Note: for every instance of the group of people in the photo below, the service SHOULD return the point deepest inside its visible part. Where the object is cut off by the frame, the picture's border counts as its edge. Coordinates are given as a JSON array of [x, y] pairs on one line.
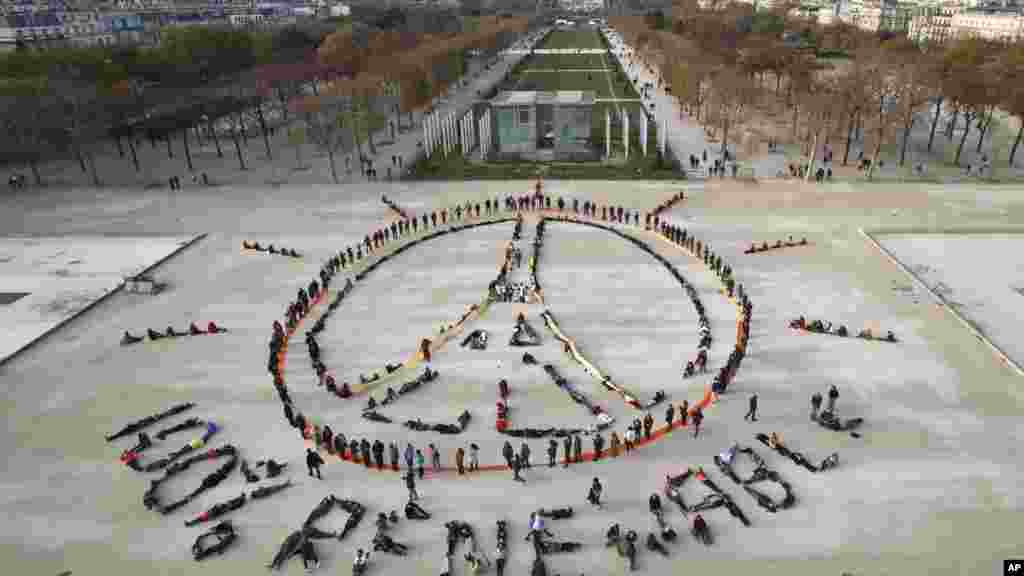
[[825, 327], [270, 249], [754, 248], [128, 338]]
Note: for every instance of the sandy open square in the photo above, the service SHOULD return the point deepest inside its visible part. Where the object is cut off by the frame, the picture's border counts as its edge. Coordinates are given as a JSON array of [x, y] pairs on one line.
[[932, 487]]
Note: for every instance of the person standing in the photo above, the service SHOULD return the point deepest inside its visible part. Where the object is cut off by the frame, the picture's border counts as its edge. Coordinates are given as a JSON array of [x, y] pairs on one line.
[[615, 445], [314, 462], [670, 415], [410, 483], [577, 444], [517, 466], [752, 411], [420, 462], [815, 405], [552, 452], [378, 453], [474, 458], [435, 457], [410, 454], [698, 417], [648, 425], [393, 448], [524, 454], [508, 453], [594, 495], [364, 445], [684, 412], [630, 436], [567, 444], [460, 455], [598, 446]]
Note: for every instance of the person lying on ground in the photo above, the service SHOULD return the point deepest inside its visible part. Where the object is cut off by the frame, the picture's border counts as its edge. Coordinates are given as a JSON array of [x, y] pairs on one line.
[[172, 333], [247, 473], [391, 396], [128, 339], [384, 543], [212, 328], [654, 545], [153, 334], [274, 469], [842, 331]]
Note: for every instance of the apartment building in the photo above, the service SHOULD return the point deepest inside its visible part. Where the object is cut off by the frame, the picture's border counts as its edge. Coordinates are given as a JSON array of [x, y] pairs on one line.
[[991, 23]]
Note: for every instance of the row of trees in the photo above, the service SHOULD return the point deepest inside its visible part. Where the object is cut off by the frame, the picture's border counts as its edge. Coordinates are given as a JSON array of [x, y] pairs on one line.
[[62, 103], [411, 68], [725, 65]]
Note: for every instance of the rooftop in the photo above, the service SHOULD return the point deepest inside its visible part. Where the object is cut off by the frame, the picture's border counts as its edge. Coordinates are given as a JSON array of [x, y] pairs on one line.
[[527, 97]]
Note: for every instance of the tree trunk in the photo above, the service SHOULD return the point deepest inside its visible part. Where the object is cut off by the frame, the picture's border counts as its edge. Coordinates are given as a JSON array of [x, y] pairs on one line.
[[907, 126], [952, 124], [120, 148], [298, 157], [135, 157], [935, 123], [984, 129], [796, 119], [34, 166], [849, 139], [263, 127], [81, 161], [92, 171], [284, 104], [216, 141], [238, 150], [188, 153], [1016, 143], [170, 153], [330, 159], [967, 129], [241, 126], [814, 153], [874, 157]]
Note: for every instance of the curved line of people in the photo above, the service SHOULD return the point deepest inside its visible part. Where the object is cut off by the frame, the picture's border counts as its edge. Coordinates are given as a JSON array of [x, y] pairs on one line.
[[270, 249], [825, 327], [127, 339], [299, 309], [764, 247], [666, 205], [151, 500]]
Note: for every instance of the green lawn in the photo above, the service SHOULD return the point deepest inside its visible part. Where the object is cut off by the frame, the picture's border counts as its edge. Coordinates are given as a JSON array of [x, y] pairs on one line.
[[559, 39], [549, 61], [604, 84]]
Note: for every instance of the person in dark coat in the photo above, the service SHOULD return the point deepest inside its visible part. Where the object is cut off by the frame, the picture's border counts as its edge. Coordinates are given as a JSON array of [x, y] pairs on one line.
[[353, 446], [460, 458], [364, 447], [815, 405], [378, 453], [393, 452], [508, 453], [517, 466], [684, 412], [648, 425], [698, 417], [670, 414], [410, 483], [752, 411], [552, 452], [577, 446], [598, 446], [524, 454], [313, 462]]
